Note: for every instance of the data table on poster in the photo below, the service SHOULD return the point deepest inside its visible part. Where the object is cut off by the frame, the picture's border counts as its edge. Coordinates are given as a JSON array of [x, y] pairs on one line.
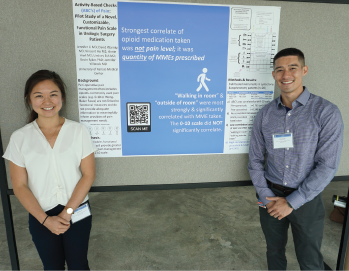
[[172, 79]]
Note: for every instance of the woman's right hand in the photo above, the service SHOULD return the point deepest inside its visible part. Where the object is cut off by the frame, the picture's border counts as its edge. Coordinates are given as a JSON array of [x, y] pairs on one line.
[[57, 225]]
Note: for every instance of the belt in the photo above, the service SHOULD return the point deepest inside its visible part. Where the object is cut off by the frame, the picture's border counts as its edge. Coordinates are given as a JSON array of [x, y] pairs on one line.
[[286, 190]]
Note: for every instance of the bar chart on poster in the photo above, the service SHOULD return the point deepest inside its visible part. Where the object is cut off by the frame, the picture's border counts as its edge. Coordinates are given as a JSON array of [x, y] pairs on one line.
[[172, 79]]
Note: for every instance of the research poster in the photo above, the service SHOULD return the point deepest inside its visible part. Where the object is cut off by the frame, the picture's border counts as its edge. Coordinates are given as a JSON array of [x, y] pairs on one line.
[[159, 78]]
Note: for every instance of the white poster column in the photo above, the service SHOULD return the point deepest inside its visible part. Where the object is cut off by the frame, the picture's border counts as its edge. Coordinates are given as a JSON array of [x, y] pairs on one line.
[[97, 66], [253, 33]]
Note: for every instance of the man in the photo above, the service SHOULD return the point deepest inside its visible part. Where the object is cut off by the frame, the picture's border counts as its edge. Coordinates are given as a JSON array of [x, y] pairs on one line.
[[295, 148]]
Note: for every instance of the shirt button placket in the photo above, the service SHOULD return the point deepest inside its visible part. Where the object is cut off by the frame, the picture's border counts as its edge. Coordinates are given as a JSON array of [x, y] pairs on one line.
[[287, 153], [58, 182], [287, 131]]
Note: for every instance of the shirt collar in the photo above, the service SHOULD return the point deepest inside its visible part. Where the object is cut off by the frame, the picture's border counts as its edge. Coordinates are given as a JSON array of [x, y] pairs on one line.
[[303, 98]]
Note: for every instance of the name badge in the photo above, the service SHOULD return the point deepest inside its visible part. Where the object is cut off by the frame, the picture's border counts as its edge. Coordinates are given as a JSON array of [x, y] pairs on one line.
[[80, 213], [282, 141]]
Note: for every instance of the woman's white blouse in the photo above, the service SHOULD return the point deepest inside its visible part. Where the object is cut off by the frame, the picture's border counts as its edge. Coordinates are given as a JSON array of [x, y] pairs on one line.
[[52, 172]]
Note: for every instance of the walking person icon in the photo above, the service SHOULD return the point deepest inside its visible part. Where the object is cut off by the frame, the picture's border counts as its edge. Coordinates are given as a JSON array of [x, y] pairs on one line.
[[201, 78]]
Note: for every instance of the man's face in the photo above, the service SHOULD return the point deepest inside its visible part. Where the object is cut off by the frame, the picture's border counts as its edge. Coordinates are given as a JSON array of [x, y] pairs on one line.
[[288, 74]]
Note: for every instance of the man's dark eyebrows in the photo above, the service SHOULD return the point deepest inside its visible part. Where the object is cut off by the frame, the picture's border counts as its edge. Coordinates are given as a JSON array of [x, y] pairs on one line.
[[291, 65]]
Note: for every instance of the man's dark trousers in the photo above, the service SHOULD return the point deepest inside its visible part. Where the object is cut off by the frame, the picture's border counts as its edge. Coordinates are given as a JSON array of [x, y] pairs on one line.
[[307, 224]]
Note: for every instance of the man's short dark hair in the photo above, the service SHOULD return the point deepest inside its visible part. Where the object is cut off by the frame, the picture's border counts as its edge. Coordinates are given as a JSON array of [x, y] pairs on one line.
[[290, 52]]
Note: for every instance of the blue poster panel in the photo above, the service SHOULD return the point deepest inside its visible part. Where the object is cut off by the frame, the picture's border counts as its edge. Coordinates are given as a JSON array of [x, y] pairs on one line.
[[173, 62]]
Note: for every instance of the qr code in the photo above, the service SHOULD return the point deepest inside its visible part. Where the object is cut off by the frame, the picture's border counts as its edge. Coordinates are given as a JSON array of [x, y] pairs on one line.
[[138, 114]]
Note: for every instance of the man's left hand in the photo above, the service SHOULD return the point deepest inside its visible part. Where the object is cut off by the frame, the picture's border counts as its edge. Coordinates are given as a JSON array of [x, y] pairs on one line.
[[280, 209]]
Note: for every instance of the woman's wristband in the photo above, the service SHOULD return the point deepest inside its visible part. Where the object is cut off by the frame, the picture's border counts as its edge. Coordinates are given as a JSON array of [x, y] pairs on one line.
[[44, 220]]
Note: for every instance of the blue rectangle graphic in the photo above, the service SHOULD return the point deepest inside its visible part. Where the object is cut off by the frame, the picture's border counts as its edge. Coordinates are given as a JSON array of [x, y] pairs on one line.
[[173, 57]]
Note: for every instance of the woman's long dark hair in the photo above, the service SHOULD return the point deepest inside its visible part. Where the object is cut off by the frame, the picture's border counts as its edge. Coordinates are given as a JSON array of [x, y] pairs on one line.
[[36, 78]]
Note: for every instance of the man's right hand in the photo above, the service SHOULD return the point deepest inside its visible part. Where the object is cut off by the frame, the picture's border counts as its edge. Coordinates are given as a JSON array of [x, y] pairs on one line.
[[270, 204], [57, 225]]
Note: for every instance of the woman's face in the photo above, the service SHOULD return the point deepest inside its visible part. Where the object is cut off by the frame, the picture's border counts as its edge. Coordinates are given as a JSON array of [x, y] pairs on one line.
[[46, 99]]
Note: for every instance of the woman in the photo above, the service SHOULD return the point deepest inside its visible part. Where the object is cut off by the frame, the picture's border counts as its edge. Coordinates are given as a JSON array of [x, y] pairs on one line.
[[52, 168]]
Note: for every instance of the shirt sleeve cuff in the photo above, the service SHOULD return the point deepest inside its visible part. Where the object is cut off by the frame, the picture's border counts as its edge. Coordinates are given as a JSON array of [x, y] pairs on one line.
[[295, 199], [265, 193]]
